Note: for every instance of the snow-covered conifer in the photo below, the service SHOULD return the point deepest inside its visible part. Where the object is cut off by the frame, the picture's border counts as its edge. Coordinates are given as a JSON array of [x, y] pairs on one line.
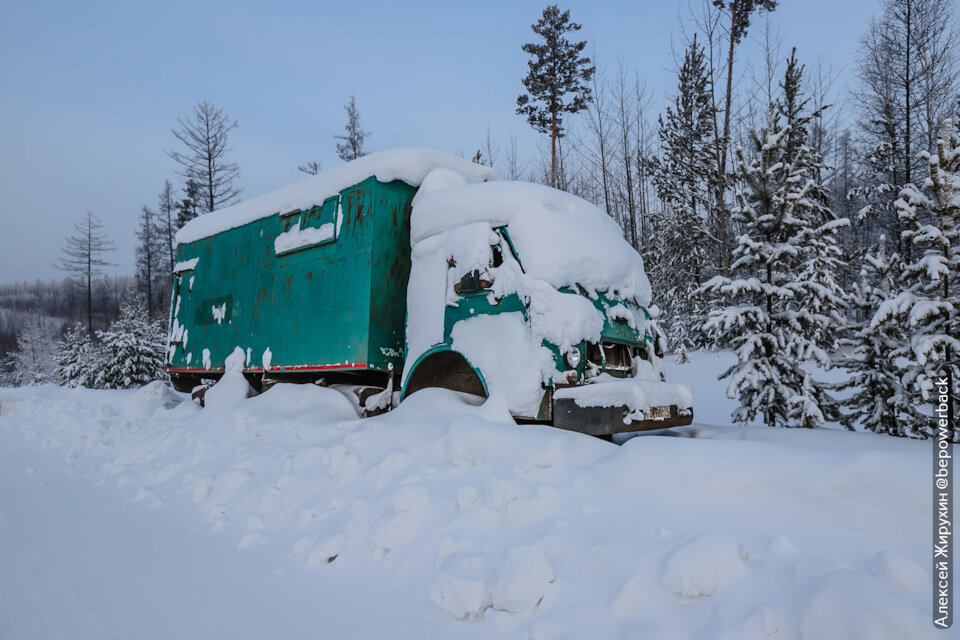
[[874, 376], [928, 307], [132, 349], [780, 312], [684, 180], [77, 359], [33, 361]]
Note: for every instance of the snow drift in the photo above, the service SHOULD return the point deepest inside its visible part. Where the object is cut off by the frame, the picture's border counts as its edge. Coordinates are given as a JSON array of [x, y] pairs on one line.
[[444, 519]]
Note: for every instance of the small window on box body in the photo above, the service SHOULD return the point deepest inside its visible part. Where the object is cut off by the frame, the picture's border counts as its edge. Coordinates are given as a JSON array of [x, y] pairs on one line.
[[305, 228]]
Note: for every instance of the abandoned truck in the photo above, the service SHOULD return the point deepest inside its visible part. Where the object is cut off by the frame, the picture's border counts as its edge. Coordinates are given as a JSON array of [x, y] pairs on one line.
[[409, 269]]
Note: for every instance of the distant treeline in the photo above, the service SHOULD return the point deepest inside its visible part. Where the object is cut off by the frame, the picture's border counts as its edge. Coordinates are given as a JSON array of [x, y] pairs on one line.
[[64, 301]]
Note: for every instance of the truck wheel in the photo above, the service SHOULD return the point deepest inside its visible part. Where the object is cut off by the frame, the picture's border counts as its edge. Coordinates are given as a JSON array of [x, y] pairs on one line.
[[446, 369]]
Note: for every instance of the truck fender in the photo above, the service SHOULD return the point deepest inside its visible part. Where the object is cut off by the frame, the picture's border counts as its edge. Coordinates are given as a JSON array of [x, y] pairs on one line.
[[442, 366]]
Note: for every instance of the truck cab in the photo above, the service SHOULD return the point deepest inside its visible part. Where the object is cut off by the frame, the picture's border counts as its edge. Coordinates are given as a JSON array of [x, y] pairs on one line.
[[542, 301]]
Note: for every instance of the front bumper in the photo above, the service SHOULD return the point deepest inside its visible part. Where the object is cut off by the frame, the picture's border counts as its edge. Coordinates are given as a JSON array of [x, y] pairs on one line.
[[601, 421], [622, 405]]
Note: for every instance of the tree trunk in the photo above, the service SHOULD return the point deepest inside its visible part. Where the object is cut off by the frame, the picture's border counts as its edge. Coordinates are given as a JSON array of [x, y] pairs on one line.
[[90, 276], [724, 148], [553, 149]]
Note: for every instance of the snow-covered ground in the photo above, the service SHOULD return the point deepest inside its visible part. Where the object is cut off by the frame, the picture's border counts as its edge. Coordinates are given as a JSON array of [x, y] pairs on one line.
[[140, 515]]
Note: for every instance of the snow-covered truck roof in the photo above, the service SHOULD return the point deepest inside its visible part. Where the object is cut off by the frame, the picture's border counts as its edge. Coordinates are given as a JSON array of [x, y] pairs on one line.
[[409, 165], [561, 239]]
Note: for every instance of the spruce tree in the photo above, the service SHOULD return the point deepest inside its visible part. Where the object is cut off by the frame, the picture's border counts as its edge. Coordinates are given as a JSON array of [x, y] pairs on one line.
[[818, 244], [33, 361], [928, 307], [781, 311], [188, 208], [77, 359], [557, 81], [764, 321], [132, 349], [683, 178], [874, 377]]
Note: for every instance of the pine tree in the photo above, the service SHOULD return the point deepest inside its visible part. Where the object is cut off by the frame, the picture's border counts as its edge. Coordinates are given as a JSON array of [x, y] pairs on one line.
[[33, 361], [874, 376], [77, 359], [683, 178], [557, 81], [353, 139], [188, 208], [132, 349], [83, 256], [928, 307], [205, 159]]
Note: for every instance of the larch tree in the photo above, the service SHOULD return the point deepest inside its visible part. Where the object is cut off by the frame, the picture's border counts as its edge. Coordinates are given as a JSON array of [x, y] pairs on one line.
[[928, 306], [353, 137], [684, 182], [557, 80], [150, 255], [204, 160], [908, 79], [166, 206], [83, 256]]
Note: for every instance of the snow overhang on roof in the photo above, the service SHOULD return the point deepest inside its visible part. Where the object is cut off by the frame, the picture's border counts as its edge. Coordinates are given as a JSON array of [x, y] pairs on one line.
[[560, 238], [409, 165]]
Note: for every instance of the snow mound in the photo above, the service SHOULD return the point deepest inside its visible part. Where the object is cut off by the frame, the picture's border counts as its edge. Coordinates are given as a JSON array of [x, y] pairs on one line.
[[853, 605], [901, 573], [232, 387], [703, 565], [423, 509], [460, 587], [522, 580], [409, 165]]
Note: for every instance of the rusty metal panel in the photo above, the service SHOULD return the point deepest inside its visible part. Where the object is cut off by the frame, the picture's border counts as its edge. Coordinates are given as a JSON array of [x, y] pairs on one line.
[[336, 305]]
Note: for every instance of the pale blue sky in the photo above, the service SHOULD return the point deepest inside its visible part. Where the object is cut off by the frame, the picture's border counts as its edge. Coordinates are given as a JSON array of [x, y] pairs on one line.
[[89, 90]]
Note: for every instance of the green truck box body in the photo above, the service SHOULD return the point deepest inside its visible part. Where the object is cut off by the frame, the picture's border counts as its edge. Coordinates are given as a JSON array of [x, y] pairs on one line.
[[334, 305]]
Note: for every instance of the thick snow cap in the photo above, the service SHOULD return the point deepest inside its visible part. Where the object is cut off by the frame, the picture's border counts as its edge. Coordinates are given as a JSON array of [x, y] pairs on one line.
[[560, 238], [408, 165]]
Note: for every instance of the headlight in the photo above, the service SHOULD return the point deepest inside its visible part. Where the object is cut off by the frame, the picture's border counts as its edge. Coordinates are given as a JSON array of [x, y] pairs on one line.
[[573, 358]]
